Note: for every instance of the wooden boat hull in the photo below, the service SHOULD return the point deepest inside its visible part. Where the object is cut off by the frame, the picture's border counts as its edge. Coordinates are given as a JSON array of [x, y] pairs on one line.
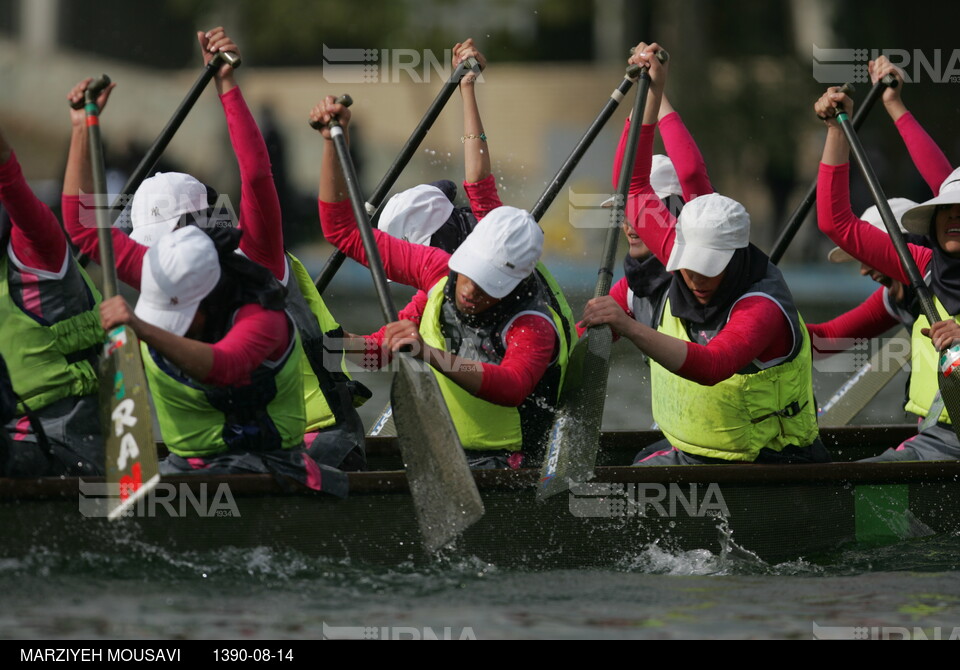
[[775, 512]]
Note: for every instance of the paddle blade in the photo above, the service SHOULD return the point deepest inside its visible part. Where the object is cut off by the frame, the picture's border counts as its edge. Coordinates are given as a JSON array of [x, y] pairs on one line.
[[574, 441], [127, 423], [442, 487]]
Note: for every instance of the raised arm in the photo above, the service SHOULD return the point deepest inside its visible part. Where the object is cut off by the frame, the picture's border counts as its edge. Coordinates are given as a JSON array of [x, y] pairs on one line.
[[834, 214], [479, 182], [927, 156], [649, 217], [79, 216], [260, 216], [412, 264], [684, 152], [476, 157], [36, 237]]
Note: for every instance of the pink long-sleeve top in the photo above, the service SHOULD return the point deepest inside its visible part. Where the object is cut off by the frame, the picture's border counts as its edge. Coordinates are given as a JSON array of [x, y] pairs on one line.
[[858, 238], [238, 354], [928, 158], [683, 152], [36, 237], [41, 279], [869, 319], [757, 329], [530, 342], [687, 161]]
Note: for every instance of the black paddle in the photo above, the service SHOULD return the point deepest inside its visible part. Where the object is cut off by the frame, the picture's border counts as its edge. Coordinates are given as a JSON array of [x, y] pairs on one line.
[[571, 452], [949, 383], [127, 424], [444, 492], [799, 215], [400, 162]]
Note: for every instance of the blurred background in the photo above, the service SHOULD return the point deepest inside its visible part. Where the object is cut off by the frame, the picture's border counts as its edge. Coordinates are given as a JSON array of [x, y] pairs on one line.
[[743, 77]]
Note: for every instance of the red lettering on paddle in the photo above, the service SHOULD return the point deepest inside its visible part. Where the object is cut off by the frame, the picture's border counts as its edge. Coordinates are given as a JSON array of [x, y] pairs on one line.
[[130, 483]]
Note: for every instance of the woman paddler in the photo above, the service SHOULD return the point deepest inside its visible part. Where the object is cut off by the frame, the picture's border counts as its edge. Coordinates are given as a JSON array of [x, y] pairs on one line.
[[222, 360], [50, 338], [937, 257], [427, 214], [676, 178], [168, 201], [486, 328], [731, 369]]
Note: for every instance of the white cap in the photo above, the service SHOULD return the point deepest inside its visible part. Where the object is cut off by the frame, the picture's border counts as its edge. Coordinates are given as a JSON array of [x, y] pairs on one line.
[[502, 251], [416, 214], [663, 177], [160, 202], [917, 220], [899, 206], [179, 271], [709, 230]]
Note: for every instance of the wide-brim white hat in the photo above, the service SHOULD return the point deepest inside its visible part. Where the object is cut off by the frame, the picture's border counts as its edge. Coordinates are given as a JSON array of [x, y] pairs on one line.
[[918, 219]]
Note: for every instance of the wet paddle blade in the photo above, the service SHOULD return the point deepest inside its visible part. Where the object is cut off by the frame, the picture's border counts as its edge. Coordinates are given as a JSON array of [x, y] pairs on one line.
[[443, 489], [575, 438], [131, 454], [867, 382]]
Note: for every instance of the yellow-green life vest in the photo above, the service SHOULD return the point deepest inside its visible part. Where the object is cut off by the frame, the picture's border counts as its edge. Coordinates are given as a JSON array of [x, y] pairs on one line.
[[199, 420], [483, 425], [558, 303], [924, 364], [733, 420], [320, 332], [41, 357]]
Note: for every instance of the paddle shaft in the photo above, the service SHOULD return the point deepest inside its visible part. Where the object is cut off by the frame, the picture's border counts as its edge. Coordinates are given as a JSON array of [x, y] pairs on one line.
[[553, 188], [618, 215], [445, 495], [400, 162], [799, 215], [374, 261], [574, 438], [104, 222], [129, 450]]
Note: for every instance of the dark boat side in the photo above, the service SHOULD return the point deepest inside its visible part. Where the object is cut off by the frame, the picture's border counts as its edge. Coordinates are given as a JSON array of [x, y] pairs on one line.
[[775, 512]]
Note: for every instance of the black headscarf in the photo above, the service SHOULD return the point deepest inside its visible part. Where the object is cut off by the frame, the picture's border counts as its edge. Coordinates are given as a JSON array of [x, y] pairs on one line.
[[646, 277], [499, 312], [746, 267], [241, 282], [945, 272]]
